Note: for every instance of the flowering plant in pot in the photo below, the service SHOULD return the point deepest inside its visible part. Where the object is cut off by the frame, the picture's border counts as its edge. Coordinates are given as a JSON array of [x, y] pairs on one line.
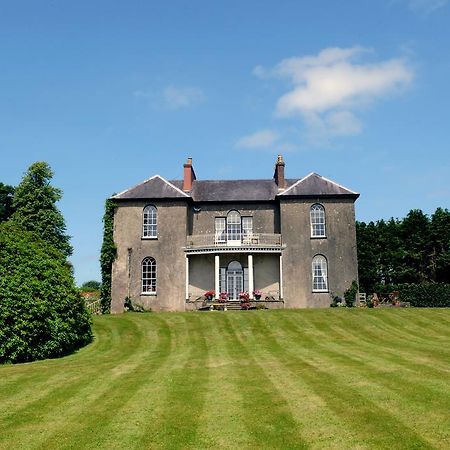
[[257, 294], [244, 297], [245, 304], [223, 297], [209, 295]]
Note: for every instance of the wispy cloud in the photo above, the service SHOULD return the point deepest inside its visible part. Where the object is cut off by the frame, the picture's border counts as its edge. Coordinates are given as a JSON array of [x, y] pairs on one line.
[[259, 139], [173, 97], [328, 88], [426, 7], [182, 97]]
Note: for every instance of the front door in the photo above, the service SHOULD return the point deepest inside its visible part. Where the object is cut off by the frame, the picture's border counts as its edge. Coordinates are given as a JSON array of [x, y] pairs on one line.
[[235, 280]]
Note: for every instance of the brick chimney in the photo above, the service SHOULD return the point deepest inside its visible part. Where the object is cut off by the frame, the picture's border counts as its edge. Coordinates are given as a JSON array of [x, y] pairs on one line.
[[189, 176], [279, 173]]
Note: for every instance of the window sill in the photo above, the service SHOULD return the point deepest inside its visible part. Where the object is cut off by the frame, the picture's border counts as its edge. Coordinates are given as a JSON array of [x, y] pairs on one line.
[[145, 238], [318, 237], [320, 292], [148, 294]]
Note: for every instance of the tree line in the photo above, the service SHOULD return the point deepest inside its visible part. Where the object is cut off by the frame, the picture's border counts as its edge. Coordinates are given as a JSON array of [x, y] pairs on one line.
[[415, 249]]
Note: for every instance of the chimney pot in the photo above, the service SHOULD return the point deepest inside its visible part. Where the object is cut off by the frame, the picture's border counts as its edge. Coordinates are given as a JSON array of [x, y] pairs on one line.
[[189, 175], [279, 173]]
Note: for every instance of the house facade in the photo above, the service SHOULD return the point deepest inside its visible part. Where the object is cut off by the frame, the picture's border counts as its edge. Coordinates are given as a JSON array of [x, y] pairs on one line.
[[292, 239]]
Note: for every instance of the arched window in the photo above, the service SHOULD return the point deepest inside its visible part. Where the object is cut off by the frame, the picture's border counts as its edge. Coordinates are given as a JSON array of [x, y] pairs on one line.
[[317, 215], [148, 275], [234, 228], [150, 222], [320, 274]]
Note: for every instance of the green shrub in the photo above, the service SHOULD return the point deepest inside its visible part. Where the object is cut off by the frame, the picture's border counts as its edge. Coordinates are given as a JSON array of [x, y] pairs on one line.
[[420, 295], [42, 315], [350, 295]]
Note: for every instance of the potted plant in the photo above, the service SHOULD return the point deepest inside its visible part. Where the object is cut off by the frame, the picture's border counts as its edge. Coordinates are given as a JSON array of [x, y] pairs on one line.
[[209, 295], [223, 297], [244, 297], [257, 294], [245, 304]]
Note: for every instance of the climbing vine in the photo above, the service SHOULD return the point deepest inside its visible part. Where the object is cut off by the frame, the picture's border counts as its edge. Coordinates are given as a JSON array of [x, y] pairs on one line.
[[107, 255]]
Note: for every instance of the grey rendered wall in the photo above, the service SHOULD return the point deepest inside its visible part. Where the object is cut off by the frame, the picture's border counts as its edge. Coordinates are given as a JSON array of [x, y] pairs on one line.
[[166, 249], [265, 217], [339, 247]]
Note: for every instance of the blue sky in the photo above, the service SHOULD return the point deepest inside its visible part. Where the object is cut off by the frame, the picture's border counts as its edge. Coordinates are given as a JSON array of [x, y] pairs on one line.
[[113, 92]]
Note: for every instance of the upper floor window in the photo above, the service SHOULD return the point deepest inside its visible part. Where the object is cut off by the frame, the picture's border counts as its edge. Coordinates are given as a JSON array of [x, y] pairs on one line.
[[148, 275], [220, 229], [317, 215], [233, 227], [320, 274], [150, 222]]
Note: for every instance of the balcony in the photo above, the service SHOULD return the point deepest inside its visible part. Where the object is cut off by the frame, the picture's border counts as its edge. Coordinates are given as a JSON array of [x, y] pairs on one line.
[[234, 243]]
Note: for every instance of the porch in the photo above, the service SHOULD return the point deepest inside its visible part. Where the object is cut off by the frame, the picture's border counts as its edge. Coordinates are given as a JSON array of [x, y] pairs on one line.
[[226, 275]]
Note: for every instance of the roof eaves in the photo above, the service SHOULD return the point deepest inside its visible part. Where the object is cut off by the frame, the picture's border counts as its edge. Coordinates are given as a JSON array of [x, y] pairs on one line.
[[117, 196], [173, 186], [339, 185]]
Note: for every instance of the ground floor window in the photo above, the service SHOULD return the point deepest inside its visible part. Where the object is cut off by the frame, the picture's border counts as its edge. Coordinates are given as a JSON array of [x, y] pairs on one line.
[[149, 275], [320, 273]]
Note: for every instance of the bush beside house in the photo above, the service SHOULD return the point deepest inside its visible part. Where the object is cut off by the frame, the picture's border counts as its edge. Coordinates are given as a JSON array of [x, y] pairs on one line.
[[42, 314]]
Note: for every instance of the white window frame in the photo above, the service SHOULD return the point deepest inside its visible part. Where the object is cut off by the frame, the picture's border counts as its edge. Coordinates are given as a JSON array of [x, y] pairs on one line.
[[220, 227], [247, 226], [319, 274], [318, 221], [234, 226], [148, 276], [150, 222]]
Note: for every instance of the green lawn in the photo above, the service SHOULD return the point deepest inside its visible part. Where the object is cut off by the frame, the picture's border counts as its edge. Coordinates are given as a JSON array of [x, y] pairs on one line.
[[332, 378]]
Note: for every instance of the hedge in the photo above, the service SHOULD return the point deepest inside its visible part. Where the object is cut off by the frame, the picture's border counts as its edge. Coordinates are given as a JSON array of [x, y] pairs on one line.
[[421, 295]]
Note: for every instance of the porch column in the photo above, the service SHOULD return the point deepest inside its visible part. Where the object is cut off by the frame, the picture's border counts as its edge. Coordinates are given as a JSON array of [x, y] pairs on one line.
[[251, 284], [281, 276], [216, 275], [187, 277]]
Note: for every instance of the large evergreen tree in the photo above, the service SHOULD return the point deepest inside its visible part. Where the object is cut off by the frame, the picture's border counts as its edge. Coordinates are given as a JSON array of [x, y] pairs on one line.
[[35, 207], [6, 200], [440, 252], [42, 315]]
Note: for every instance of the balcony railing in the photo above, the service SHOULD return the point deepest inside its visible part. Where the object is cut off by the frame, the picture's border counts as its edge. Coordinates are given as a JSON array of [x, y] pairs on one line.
[[224, 240]]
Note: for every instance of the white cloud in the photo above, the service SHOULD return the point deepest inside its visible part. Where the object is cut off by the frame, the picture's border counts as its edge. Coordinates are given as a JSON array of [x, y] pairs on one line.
[[259, 139], [172, 97], [177, 98], [425, 7], [327, 88]]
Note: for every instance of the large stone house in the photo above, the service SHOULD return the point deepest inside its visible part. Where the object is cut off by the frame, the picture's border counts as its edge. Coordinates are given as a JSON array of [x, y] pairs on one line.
[[292, 239]]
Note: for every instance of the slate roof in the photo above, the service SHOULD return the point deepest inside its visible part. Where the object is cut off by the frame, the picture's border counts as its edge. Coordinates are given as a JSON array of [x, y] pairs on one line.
[[155, 187], [313, 185], [235, 190]]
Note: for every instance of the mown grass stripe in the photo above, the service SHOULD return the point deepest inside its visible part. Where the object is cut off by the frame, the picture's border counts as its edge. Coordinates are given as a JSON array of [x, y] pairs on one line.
[[377, 426], [28, 404], [270, 423], [103, 406], [257, 379], [177, 424]]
